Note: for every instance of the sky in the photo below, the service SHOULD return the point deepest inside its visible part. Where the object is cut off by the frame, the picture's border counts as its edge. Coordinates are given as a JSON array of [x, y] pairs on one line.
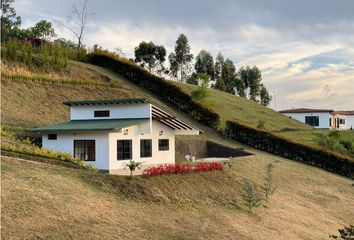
[[304, 48]]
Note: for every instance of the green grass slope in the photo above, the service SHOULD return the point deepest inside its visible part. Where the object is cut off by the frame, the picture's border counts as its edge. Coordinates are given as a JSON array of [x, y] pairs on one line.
[[42, 201]]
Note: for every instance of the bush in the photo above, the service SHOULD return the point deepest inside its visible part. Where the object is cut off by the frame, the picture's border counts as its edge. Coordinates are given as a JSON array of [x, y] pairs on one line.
[[275, 144], [250, 195], [47, 153], [163, 89], [182, 168]]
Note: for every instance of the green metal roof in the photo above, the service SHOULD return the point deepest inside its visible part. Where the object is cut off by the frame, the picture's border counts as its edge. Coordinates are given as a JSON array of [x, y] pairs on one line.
[[92, 125], [107, 102]]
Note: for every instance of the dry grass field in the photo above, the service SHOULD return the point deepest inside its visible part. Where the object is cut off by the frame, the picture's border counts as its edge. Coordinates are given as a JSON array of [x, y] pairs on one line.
[[41, 201]]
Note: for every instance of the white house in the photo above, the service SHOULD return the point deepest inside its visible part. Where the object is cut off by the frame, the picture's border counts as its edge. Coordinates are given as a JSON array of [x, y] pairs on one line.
[[343, 120], [109, 133], [318, 118]]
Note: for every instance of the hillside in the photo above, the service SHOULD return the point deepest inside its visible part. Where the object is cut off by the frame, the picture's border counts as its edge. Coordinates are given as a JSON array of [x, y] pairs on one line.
[[37, 198]]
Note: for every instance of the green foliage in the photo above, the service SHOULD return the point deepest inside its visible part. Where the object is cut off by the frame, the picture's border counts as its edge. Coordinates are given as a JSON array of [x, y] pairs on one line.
[[132, 165], [261, 124], [47, 153], [268, 187], [49, 79], [204, 63], [47, 55], [150, 55], [9, 21], [202, 91], [7, 133], [334, 134], [347, 233], [220, 84], [333, 143], [181, 58], [228, 74], [250, 195], [272, 143], [43, 30], [265, 98]]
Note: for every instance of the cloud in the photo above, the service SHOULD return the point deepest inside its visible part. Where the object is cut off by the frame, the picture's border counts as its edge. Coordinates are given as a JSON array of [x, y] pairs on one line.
[[304, 48]]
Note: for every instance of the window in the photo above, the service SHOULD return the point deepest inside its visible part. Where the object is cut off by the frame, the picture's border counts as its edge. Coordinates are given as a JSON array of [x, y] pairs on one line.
[[330, 122], [85, 150], [145, 148], [312, 120], [52, 137], [163, 145], [124, 149], [104, 113], [342, 121]]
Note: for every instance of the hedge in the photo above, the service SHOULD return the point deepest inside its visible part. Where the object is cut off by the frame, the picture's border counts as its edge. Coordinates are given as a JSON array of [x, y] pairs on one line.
[[162, 88], [280, 146]]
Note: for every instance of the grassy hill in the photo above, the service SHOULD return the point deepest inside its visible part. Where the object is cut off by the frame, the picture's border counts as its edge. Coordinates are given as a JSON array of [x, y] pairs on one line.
[[48, 201], [52, 202]]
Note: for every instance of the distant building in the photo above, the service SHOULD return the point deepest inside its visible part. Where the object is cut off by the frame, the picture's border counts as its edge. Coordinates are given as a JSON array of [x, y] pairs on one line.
[[322, 118], [343, 120], [109, 133]]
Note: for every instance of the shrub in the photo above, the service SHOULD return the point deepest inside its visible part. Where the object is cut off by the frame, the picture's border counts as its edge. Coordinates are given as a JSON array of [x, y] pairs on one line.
[[250, 195], [261, 124], [163, 89], [182, 168], [268, 188], [278, 145], [132, 165], [48, 153]]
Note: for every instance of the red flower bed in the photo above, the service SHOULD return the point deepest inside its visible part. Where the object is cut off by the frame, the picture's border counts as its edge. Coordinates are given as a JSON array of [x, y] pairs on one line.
[[182, 168]]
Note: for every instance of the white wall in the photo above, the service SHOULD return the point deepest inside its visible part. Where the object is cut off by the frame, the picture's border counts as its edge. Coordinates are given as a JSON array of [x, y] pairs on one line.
[[158, 157], [141, 110], [323, 118], [349, 122], [65, 143]]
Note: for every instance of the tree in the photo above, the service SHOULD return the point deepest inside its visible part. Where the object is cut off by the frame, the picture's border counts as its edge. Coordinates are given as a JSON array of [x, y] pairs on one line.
[[43, 29], [268, 187], [181, 58], [204, 63], [202, 91], [265, 98], [9, 21], [132, 165], [240, 87], [250, 195], [150, 55], [79, 18], [219, 62], [228, 75]]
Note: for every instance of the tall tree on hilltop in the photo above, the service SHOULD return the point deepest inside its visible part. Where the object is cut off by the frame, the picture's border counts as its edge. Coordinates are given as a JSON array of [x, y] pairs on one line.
[[43, 29], [219, 62], [228, 75], [9, 21], [204, 63], [265, 97], [150, 55], [181, 58]]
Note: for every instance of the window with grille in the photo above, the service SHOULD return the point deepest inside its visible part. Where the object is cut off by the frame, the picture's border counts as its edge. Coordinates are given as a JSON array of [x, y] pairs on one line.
[[312, 120], [163, 145], [124, 149], [85, 150], [101, 113], [145, 148]]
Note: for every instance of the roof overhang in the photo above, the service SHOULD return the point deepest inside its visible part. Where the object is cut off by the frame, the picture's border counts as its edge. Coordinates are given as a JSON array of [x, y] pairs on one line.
[[106, 102], [111, 125]]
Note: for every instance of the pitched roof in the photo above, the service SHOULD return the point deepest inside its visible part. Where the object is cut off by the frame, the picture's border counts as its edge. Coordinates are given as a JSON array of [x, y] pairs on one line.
[[106, 102], [92, 125], [343, 112], [305, 110]]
